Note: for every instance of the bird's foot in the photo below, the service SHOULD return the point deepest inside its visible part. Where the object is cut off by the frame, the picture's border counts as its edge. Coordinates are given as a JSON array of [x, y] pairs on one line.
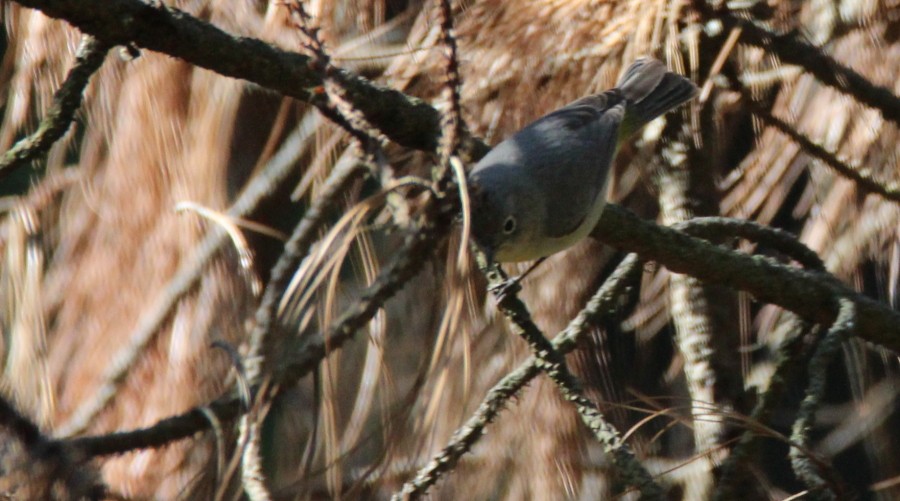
[[503, 289]]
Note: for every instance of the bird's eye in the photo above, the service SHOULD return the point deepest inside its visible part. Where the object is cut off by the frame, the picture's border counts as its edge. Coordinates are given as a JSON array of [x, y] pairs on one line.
[[509, 225]]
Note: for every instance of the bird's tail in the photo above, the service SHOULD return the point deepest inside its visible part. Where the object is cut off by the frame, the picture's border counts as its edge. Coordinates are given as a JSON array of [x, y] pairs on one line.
[[650, 90]]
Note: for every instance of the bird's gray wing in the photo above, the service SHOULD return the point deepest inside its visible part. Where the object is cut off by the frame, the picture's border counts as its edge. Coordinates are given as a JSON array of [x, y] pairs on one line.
[[572, 150]]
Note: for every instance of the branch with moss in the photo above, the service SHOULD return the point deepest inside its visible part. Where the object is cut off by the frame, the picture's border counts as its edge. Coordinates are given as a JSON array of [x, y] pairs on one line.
[[59, 117]]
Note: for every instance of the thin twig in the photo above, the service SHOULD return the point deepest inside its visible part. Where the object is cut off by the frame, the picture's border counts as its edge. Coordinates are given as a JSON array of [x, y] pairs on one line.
[[843, 327], [185, 280], [451, 120], [790, 48], [862, 176], [296, 248], [336, 87], [159, 434], [408, 121], [814, 295], [417, 248], [465, 437], [553, 363], [264, 341], [262, 344], [415, 251], [249, 447], [452, 130], [735, 478], [59, 117]]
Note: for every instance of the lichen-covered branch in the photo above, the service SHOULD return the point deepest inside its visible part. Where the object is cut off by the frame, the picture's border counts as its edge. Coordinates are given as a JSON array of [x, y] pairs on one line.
[[553, 363], [66, 101], [406, 120], [792, 49], [862, 176], [811, 294], [708, 349], [465, 437], [804, 466]]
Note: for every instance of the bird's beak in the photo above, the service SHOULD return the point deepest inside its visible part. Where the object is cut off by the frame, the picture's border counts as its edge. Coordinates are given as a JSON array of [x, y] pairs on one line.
[[489, 253]]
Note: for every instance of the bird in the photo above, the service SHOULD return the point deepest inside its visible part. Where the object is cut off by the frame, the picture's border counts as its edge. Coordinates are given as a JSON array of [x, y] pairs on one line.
[[543, 189]]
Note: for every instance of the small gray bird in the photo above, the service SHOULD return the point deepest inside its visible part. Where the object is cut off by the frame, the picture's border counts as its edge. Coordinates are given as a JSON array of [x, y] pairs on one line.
[[543, 189]]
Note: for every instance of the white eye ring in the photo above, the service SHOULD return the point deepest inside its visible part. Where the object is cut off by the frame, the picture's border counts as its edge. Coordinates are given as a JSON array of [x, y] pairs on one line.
[[509, 225]]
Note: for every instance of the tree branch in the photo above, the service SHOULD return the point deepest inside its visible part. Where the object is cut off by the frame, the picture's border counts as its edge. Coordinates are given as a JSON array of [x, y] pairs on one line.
[[863, 176], [553, 363], [413, 123], [790, 48], [407, 121], [161, 433], [804, 467], [66, 102], [466, 436], [736, 473], [813, 295]]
